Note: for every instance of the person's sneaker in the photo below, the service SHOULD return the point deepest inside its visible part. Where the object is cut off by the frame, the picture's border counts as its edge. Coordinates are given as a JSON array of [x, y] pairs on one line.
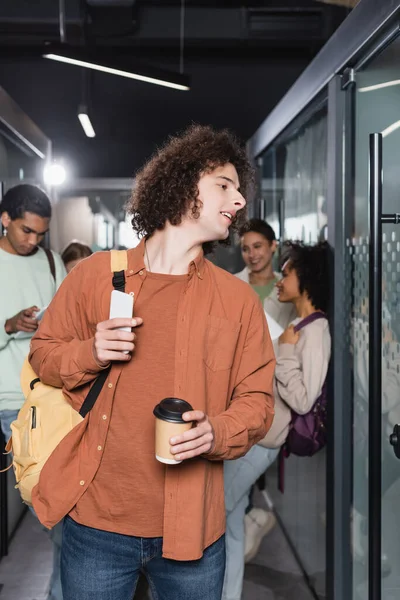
[[257, 523], [360, 544]]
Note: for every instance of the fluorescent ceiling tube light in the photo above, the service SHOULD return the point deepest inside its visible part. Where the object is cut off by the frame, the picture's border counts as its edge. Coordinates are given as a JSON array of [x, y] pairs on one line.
[[87, 126], [81, 57], [379, 86], [390, 129]]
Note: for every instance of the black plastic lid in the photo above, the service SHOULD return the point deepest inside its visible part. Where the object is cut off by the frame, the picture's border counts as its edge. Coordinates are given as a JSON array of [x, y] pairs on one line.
[[172, 409]]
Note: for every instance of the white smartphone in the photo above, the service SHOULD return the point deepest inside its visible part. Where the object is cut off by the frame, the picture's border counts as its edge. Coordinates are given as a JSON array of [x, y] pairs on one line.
[[39, 315], [121, 305], [25, 334]]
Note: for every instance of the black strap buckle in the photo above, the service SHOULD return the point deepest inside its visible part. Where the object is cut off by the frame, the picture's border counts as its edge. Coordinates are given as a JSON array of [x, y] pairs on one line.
[[118, 281]]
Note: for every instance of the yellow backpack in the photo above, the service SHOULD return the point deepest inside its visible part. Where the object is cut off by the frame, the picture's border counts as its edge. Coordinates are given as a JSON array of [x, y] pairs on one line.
[[46, 417]]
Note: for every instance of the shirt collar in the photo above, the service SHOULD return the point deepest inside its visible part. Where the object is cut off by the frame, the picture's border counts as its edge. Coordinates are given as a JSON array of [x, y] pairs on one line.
[[136, 261], [197, 265]]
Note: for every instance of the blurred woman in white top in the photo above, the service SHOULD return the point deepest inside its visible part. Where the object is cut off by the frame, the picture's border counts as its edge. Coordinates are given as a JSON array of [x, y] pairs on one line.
[[258, 244]]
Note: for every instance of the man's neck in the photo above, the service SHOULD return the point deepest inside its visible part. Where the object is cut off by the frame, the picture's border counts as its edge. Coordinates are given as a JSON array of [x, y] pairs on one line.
[[171, 251], [6, 246]]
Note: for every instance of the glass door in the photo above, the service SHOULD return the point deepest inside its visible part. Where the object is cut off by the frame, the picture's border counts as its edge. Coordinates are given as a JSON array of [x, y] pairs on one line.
[[375, 255]]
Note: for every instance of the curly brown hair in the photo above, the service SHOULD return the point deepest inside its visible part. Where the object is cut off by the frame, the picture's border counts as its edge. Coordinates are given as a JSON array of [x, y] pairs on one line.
[[166, 188]]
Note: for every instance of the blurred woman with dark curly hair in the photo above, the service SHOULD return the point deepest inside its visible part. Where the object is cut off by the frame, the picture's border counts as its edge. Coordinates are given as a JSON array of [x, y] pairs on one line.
[[302, 356], [302, 359], [200, 336]]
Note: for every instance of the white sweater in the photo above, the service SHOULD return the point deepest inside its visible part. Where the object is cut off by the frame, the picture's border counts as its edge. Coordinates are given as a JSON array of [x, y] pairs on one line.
[[282, 312], [300, 373], [25, 281]]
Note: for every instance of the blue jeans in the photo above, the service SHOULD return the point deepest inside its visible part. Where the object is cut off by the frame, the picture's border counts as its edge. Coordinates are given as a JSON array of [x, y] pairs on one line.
[[6, 418], [239, 476], [55, 534], [100, 565]]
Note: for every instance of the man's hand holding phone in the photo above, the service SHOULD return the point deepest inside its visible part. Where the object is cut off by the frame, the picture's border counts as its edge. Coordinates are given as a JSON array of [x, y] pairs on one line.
[[25, 321], [110, 343]]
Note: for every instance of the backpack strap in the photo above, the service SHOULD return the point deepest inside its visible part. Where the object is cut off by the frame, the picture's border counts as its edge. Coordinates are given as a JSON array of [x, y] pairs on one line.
[[52, 264], [310, 319], [119, 264], [94, 392]]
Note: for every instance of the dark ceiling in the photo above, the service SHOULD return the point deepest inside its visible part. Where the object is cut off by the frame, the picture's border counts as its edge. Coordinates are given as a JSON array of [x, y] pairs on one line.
[[241, 57]]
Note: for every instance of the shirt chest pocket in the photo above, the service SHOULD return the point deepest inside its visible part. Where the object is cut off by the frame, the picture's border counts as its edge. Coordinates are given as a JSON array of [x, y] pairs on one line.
[[220, 343]]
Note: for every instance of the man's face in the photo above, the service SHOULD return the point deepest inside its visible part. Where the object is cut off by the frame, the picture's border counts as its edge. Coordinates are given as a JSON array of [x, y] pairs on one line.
[[24, 234], [220, 201]]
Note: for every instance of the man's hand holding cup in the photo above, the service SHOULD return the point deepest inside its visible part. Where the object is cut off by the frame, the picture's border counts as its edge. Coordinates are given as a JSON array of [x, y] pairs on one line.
[[195, 442]]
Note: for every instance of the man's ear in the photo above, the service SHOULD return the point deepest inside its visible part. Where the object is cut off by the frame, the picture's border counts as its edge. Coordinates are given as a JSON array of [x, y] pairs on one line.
[[274, 245], [193, 208], [5, 219]]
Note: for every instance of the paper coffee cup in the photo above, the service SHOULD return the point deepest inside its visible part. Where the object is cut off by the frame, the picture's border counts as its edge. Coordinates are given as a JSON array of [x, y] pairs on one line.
[[169, 423]]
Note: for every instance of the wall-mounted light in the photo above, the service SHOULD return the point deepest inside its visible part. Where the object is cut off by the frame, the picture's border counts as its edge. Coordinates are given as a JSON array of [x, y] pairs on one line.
[[82, 57], [83, 116], [54, 174]]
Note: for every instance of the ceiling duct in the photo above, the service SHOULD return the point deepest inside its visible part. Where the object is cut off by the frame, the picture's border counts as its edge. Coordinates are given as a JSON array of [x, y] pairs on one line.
[[345, 3], [111, 3], [111, 18], [283, 23]]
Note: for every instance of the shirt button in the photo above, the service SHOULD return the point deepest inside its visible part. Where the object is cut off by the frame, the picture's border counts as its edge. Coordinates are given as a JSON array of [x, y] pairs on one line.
[[99, 448], [141, 272], [104, 417], [131, 272], [110, 385], [82, 482]]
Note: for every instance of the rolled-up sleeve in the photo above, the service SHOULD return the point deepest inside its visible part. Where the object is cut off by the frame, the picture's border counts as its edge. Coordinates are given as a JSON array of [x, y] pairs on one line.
[[60, 353], [250, 413]]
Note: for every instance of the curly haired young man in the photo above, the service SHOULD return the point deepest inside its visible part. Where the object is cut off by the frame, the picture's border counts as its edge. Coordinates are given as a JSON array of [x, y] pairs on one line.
[[198, 334]]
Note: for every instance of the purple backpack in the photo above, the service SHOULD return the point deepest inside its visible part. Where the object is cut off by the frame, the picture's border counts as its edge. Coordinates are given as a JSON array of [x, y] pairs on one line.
[[307, 433]]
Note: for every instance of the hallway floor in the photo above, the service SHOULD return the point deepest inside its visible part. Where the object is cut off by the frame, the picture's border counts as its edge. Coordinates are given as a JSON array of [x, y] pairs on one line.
[[25, 572], [274, 573]]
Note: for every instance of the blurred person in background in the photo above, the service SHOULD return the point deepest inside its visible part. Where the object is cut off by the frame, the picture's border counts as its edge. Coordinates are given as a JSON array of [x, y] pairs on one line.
[[362, 398], [74, 253], [30, 277], [259, 245], [302, 360]]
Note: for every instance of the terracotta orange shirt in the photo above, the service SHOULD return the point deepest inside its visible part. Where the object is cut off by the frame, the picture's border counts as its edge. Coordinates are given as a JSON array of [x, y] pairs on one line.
[[114, 501], [223, 365]]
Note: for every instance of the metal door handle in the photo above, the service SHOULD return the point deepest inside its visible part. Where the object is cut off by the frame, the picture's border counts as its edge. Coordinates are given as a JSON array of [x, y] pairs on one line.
[[375, 365], [394, 439]]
